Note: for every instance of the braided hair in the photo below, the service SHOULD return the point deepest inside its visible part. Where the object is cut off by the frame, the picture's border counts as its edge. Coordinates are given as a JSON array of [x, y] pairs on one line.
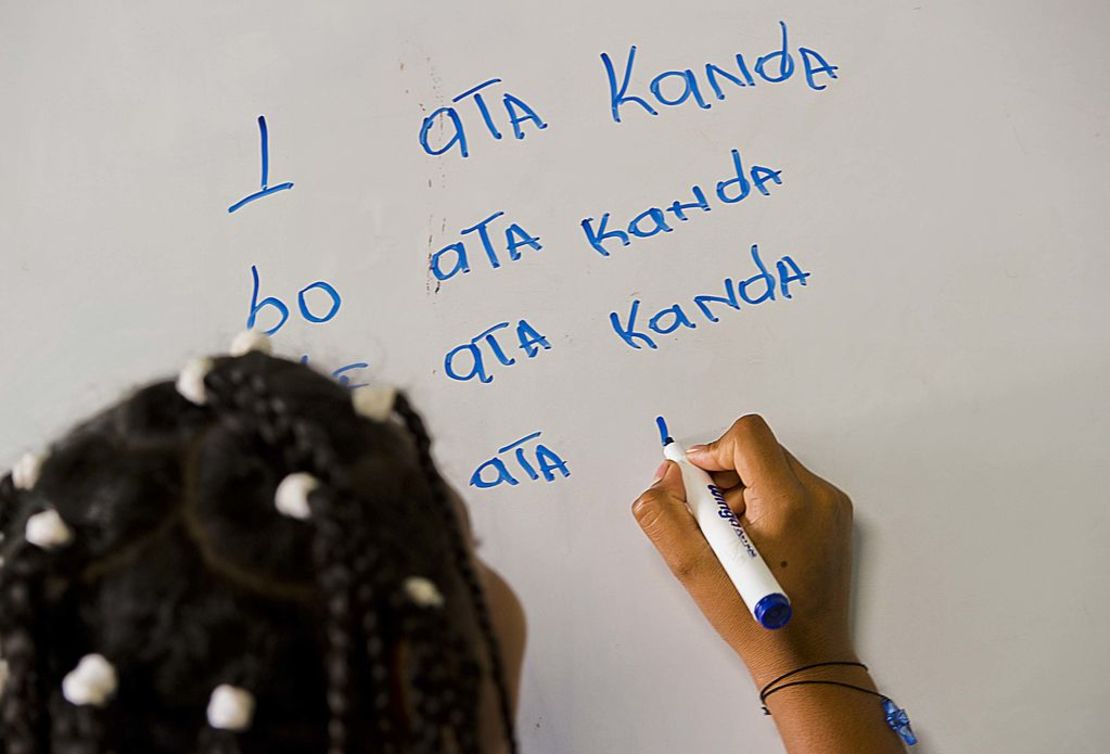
[[183, 575]]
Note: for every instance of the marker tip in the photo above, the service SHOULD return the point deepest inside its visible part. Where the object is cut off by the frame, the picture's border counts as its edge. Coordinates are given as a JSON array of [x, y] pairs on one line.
[[664, 435]]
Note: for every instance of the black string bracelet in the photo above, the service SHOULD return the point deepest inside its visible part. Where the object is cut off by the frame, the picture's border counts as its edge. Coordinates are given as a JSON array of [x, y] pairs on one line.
[[768, 690], [763, 698], [896, 717]]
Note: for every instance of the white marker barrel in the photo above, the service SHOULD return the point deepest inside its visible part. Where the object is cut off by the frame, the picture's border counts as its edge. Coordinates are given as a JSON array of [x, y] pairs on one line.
[[757, 586]]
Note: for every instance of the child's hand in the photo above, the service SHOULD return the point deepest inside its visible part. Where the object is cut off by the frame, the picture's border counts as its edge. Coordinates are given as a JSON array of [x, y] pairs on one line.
[[802, 526]]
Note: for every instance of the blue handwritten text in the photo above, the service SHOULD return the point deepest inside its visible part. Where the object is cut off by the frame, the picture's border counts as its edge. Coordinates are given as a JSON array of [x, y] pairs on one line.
[[451, 133], [266, 189], [468, 361], [676, 87], [655, 220], [760, 287], [312, 314], [340, 374], [454, 258], [544, 457]]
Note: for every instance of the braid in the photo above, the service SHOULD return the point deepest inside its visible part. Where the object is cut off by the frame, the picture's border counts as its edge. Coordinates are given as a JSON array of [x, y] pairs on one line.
[[8, 502], [416, 428], [20, 596], [185, 577], [428, 677], [440, 706], [335, 587], [339, 529], [339, 567], [368, 570], [303, 445], [75, 729], [212, 741]]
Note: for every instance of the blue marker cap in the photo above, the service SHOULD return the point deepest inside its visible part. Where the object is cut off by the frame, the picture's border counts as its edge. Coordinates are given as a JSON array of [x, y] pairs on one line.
[[773, 611]]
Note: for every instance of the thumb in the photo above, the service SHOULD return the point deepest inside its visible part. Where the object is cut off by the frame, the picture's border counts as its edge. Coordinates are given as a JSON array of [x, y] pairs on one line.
[[750, 449], [663, 516]]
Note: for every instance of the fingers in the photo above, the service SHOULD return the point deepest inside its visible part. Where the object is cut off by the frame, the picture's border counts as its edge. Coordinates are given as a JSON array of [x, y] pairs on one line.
[[726, 480], [735, 500], [749, 448], [662, 514]]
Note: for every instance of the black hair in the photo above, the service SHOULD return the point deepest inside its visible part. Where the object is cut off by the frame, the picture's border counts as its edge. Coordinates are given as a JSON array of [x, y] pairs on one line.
[[184, 576]]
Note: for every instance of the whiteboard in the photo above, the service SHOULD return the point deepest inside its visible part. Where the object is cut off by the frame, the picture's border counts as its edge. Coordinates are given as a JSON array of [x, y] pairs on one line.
[[945, 362]]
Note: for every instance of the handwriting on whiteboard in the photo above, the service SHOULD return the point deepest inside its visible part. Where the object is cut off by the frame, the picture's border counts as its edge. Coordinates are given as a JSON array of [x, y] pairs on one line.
[[499, 469], [322, 307], [487, 112], [445, 130], [653, 220], [634, 330], [476, 357], [775, 67], [266, 189], [458, 258], [454, 258]]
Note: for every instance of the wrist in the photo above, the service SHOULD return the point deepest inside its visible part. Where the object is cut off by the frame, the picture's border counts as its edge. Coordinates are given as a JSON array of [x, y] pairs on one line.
[[799, 686], [768, 657]]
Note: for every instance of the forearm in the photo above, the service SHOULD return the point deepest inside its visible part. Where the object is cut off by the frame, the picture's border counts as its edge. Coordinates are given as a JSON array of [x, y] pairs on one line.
[[829, 719]]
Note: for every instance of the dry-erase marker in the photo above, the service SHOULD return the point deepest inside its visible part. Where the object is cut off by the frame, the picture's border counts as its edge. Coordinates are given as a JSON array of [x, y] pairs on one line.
[[753, 579]]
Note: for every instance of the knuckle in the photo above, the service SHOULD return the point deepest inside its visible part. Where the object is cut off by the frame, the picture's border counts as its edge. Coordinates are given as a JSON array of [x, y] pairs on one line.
[[826, 496], [830, 495], [646, 510], [779, 504], [838, 504], [686, 568], [839, 497], [788, 494], [748, 425]]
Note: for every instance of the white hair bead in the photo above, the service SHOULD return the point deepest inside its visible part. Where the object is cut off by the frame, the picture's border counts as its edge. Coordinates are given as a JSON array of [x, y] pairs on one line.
[[25, 473], [423, 592], [93, 682], [230, 708], [190, 382], [375, 402], [291, 497], [250, 340], [3, 674], [47, 530]]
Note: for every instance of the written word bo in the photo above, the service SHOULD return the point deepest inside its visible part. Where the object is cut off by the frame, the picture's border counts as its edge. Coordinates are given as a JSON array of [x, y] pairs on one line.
[[326, 304]]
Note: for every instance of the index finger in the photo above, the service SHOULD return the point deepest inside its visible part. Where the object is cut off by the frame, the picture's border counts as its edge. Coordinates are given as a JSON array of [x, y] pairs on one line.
[[749, 448], [665, 518]]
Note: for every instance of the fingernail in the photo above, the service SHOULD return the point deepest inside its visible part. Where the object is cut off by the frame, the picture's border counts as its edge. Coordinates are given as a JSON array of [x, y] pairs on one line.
[[696, 448], [659, 472]]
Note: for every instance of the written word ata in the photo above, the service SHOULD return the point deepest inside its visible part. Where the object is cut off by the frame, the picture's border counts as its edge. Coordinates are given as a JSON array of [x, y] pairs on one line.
[[450, 131], [468, 361], [496, 470], [454, 258]]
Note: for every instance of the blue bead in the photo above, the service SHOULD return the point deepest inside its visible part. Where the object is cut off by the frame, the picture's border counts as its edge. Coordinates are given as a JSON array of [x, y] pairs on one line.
[[899, 721]]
